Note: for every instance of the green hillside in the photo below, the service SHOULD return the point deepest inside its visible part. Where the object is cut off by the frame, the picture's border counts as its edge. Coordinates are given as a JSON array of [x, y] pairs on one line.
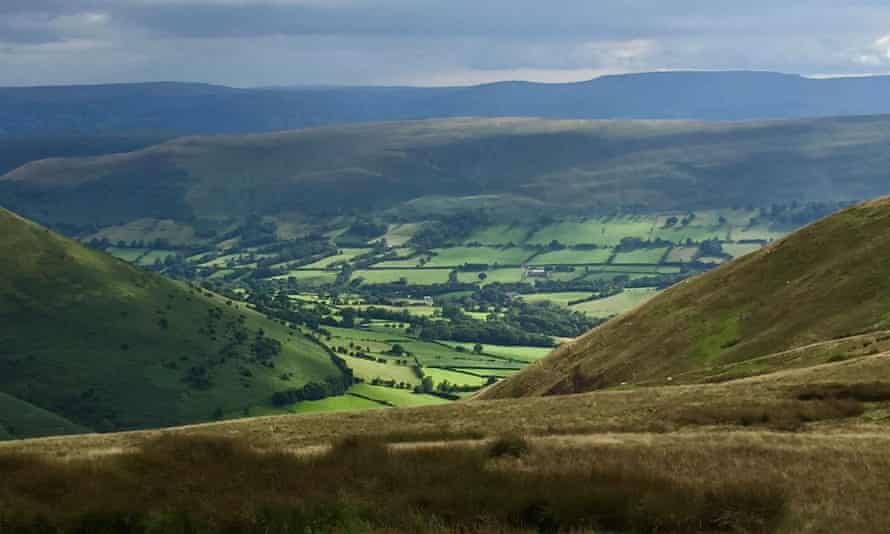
[[448, 164], [18, 419], [107, 346], [813, 290]]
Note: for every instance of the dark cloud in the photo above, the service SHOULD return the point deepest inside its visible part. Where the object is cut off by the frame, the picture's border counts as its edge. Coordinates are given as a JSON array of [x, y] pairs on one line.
[[250, 42]]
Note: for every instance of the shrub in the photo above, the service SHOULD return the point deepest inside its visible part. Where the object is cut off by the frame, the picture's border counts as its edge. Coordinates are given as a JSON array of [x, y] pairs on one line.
[[511, 445]]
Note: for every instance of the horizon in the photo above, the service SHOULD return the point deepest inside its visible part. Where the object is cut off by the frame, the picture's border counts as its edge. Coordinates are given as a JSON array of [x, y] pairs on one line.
[[275, 43], [814, 77]]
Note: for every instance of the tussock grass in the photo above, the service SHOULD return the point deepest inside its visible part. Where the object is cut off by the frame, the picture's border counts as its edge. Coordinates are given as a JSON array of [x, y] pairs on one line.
[[202, 484], [791, 415]]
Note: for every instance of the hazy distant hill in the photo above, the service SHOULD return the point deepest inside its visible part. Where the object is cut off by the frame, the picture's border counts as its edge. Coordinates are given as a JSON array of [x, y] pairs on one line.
[[814, 290], [558, 165], [197, 108]]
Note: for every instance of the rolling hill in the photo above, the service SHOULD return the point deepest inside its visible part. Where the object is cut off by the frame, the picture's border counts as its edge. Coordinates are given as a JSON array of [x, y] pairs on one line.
[[190, 108], [90, 342], [818, 296], [557, 165]]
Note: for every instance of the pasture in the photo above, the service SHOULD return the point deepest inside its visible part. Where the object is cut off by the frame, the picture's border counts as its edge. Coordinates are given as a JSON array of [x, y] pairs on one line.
[[616, 304]]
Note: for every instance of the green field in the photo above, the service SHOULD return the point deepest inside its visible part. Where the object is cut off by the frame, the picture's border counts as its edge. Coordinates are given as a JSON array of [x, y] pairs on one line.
[[314, 278], [604, 232], [681, 254], [335, 404], [572, 256], [646, 255], [457, 256], [399, 234], [343, 255], [499, 234], [739, 249], [493, 275], [396, 397], [368, 370], [127, 254], [562, 299], [411, 276], [616, 304], [453, 377]]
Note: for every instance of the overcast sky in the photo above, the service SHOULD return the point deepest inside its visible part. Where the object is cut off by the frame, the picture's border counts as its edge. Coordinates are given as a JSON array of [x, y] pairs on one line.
[[430, 42]]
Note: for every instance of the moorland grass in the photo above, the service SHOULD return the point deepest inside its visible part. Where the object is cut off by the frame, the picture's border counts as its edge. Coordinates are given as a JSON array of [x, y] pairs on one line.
[[214, 485]]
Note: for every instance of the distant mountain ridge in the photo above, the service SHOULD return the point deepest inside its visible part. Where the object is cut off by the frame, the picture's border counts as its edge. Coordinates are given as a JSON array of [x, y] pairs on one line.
[[560, 166], [192, 108]]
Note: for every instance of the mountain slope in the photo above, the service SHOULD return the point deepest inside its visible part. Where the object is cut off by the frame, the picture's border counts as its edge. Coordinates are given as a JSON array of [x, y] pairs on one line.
[[825, 282], [107, 346], [185, 108], [558, 165]]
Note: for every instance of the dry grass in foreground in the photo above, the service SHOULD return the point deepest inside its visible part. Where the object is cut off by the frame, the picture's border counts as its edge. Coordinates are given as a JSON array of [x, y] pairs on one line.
[[217, 485]]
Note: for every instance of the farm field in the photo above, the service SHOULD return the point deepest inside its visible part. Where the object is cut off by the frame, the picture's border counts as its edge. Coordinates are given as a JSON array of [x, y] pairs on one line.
[[453, 377], [344, 255], [335, 404], [399, 234], [642, 256], [617, 304], [558, 298], [573, 256], [396, 397], [740, 249], [457, 256], [504, 276], [411, 276], [604, 232], [682, 254], [500, 234]]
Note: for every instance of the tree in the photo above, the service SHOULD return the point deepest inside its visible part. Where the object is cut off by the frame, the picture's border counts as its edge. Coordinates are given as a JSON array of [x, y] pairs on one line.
[[427, 385], [482, 277], [397, 350], [478, 348], [452, 277]]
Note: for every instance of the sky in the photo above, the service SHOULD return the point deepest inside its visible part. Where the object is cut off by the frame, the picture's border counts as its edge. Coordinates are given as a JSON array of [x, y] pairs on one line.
[[248, 43]]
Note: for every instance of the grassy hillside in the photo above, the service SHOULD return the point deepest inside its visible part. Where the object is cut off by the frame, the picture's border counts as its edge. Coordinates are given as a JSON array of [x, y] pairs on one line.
[[824, 283], [21, 420], [108, 346], [493, 164], [796, 452]]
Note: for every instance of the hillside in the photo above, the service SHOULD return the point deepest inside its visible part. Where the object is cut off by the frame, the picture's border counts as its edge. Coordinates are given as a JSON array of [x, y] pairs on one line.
[[813, 290], [186, 108], [89, 341], [560, 166]]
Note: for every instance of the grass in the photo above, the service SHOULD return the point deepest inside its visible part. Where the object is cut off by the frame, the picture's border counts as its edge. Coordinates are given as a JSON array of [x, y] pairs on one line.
[[500, 234], [453, 377], [107, 346], [505, 276], [605, 232], [368, 370], [648, 255], [361, 485], [562, 299], [822, 283], [343, 255], [739, 249], [573, 256], [457, 256], [616, 304], [682, 254], [527, 354], [396, 397], [399, 234], [335, 404], [411, 276]]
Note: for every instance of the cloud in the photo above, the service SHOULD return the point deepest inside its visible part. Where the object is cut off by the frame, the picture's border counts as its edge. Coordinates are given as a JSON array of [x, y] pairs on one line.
[[284, 42]]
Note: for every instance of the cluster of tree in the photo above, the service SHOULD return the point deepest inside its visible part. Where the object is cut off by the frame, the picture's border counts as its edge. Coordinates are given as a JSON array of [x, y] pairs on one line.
[[629, 244], [448, 229], [330, 387], [360, 232], [796, 214]]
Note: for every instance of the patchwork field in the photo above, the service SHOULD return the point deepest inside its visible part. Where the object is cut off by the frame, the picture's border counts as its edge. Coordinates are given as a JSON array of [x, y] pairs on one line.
[[614, 305]]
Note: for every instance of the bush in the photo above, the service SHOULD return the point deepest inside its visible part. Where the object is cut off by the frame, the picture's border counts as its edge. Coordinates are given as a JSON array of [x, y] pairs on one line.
[[511, 445]]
